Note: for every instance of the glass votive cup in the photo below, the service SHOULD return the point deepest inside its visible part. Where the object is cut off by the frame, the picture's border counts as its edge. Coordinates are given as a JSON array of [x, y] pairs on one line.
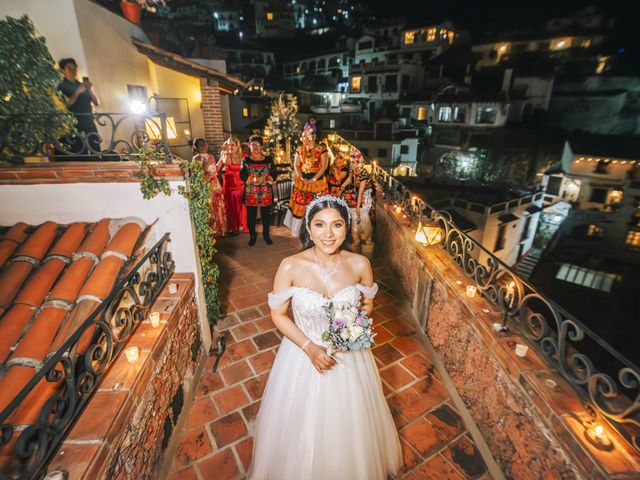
[[154, 317], [132, 353]]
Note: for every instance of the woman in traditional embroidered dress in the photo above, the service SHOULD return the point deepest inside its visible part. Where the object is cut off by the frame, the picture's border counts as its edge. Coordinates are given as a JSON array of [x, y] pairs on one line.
[[340, 180], [233, 186], [309, 165], [322, 417], [258, 173], [211, 169], [364, 212]]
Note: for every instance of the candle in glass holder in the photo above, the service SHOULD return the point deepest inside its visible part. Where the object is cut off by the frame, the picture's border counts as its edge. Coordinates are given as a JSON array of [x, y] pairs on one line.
[[173, 288], [398, 209], [155, 319], [132, 353], [471, 291]]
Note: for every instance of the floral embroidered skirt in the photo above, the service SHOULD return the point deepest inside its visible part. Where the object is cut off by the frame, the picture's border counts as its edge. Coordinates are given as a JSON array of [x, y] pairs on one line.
[[303, 193]]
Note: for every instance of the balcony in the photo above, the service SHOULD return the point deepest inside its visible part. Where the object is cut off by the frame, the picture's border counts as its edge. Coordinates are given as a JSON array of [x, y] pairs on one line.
[[344, 108]]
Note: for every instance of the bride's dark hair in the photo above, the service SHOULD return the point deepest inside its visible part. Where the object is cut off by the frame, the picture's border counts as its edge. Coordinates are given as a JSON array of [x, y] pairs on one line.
[[305, 238]]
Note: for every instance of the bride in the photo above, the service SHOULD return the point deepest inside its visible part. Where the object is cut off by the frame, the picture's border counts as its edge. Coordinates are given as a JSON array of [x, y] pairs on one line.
[[322, 417]]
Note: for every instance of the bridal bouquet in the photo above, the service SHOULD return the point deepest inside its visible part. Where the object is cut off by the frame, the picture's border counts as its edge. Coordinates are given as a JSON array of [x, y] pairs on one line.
[[349, 328]]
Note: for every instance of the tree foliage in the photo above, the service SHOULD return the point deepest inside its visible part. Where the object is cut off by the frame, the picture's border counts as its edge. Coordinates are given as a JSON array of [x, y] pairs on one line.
[[29, 81], [283, 124]]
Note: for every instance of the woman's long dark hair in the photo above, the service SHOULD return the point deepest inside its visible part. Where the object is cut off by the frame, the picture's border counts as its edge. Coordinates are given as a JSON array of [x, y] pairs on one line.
[[305, 238]]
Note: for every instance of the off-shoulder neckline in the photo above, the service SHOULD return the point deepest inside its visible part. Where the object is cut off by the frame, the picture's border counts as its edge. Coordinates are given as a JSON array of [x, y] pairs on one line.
[[347, 287]]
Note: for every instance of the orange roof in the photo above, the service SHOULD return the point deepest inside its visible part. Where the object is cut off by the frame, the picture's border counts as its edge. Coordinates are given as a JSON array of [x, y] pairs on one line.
[[51, 278]]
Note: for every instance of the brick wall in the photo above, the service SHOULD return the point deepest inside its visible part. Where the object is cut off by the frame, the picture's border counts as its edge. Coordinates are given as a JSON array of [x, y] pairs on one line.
[[212, 114], [128, 424], [528, 414]]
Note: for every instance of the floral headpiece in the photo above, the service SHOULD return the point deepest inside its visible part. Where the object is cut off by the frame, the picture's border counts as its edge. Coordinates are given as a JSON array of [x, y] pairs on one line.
[[308, 133], [325, 198], [356, 155]]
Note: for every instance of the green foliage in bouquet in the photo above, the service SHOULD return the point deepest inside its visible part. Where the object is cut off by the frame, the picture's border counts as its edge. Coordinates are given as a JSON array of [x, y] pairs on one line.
[[28, 86]]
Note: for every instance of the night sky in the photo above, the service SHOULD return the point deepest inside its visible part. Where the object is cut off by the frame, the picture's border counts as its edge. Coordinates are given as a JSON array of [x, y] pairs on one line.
[[487, 16]]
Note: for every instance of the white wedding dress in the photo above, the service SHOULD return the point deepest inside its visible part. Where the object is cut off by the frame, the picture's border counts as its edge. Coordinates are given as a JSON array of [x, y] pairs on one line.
[[331, 426]]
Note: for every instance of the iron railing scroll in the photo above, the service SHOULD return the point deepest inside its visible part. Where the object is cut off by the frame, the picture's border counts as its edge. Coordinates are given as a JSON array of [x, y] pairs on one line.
[[607, 381], [118, 137], [73, 373]]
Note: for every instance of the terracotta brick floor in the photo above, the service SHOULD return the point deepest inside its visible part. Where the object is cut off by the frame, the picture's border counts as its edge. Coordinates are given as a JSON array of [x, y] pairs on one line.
[[217, 440]]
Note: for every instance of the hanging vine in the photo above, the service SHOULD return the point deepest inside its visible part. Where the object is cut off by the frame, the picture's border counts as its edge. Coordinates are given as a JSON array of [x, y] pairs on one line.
[[198, 192]]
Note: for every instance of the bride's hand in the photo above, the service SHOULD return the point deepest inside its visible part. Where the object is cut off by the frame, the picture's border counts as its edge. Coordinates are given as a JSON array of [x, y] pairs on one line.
[[319, 358]]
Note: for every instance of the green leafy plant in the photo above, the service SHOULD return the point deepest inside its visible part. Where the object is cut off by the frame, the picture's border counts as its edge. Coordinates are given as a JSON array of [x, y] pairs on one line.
[[197, 191], [150, 184], [28, 86]]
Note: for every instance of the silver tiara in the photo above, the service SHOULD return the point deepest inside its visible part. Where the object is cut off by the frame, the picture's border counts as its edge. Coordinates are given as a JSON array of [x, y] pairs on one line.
[[325, 198]]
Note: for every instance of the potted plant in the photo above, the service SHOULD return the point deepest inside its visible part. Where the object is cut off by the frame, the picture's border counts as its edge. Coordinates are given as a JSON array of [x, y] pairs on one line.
[[132, 9]]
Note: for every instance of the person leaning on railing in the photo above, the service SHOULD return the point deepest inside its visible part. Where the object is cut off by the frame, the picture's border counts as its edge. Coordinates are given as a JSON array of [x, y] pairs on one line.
[[80, 98]]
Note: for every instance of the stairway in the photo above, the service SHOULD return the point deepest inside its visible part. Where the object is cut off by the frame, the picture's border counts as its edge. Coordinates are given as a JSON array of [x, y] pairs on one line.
[[525, 266]]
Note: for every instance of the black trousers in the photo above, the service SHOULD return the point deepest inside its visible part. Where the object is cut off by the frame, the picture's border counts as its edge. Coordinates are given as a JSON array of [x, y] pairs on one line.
[[252, 214]]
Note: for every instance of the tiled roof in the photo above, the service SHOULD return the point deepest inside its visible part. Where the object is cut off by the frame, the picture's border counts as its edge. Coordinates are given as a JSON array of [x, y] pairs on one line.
[[51, 278]]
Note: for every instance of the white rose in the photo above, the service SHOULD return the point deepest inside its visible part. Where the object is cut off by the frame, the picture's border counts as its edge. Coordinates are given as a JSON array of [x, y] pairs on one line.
[[345, 334], [356, 331]]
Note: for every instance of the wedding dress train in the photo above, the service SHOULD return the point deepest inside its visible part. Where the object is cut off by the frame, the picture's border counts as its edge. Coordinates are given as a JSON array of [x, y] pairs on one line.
[[331, 426]]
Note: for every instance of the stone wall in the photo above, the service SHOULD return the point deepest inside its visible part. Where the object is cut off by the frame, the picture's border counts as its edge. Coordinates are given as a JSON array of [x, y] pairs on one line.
[[529, 415], [129, 423]]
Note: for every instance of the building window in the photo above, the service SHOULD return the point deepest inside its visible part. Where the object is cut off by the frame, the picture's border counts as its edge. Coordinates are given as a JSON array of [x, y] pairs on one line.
[[431, 35], [245, 112], [598, 195], [422, 114], [391, 83], [382, 152], [595, 231], [406, 83], [332, 123], [409, 37], [585, 277], [355, 84], [486, 115], [560, 43], [270, 16], [500, 239], [633, 239], [458, 115], [553, 185], [404, 149], [602, 166], [372, 84], [365, 45], [444, 114]]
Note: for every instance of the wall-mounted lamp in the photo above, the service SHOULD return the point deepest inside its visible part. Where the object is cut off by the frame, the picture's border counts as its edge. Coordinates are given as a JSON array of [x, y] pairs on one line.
[[428, 234]]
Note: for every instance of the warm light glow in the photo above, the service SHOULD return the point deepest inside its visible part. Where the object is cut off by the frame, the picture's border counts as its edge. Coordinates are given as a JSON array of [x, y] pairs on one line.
[[245, 112], [154, 128], [375, 163], [471, 291], [355, 84], [599, 430], [502, 48], [560, 43], [409, 37], [429, 234], [138, 107], [431, 34], [398, 209], [422, 114], [269, 16], [331, 137], [155, 319], [132, 353]]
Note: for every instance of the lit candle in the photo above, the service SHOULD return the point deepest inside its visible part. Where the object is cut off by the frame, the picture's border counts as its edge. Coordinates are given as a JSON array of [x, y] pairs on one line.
[[599, 432], [155, 319], [521, 350], [398, 209], [471, 291], [173, 288], [132, 353]]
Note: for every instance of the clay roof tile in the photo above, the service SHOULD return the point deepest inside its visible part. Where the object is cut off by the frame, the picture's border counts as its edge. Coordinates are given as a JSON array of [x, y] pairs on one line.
[[97, 239], [72, 280], [39, 284], [102, 278], [11, 326], [39, 242], [11, 240], [125, 239], [11, 279], [70, 240]]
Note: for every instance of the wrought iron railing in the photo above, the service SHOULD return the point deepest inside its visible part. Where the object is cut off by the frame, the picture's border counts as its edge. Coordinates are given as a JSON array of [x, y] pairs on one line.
[[117, 136], [607, 381], [73, 373]]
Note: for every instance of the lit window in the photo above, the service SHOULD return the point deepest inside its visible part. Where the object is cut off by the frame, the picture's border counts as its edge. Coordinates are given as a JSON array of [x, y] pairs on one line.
[[269, 16], [451, 37], [422, 113], [355, 84], [585, 42], [431, 34], [633, 239], [595, 231], [502, 48], [444, 114], [585, 277], [245, 112], [602, 64], [409, 37], [486, 115], [615, 197], [560, 43]]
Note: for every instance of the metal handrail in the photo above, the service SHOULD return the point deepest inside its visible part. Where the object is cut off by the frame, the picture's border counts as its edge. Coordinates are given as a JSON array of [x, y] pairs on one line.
[[611, 391], [79, 368], [43, 135]]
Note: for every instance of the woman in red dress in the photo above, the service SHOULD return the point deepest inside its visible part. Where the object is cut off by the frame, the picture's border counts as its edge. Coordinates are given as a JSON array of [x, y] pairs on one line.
[[233, 186], [218, 210]]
